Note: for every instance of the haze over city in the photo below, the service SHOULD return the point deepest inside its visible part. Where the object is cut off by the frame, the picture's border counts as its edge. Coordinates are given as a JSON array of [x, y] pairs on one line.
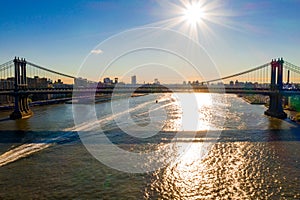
[[236, 35]]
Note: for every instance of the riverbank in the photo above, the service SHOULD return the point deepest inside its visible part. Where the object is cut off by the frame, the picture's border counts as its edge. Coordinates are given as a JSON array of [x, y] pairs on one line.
[[293, 116], [101, 98], [262, 100], [38, 103], [254, 99], [70, 100]]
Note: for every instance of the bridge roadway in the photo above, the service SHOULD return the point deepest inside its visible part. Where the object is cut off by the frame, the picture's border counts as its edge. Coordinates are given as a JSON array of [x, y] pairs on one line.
[[109, 90]]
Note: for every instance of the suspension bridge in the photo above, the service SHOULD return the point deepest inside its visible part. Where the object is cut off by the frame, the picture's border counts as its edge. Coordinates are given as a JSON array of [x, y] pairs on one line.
[[22, 81]]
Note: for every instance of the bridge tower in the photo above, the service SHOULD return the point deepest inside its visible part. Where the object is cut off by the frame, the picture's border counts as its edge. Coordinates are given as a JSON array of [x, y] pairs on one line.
[[275, 107], [21, 106]]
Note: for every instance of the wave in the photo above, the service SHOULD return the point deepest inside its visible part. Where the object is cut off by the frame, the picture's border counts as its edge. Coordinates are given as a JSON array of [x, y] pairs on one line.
[[21, 152], [29, 148]]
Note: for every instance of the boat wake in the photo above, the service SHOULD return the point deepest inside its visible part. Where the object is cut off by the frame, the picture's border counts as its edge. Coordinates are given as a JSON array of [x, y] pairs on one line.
[[29, 148], [21, 152]]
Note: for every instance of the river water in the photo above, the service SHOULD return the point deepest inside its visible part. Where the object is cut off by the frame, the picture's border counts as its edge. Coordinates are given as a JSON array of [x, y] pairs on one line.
[[233, 152]]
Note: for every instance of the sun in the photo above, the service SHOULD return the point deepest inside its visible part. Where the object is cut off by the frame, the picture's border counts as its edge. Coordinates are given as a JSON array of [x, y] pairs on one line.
[[196, 18], [193, 13]]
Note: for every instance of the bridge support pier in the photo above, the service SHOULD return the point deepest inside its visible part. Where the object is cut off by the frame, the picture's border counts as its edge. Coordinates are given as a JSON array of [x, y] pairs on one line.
[[275, 107], [21, 106]]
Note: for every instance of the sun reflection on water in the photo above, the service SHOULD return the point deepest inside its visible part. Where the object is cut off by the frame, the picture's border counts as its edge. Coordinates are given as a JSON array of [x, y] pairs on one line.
[[182, 107], [183, 178], [234, 167]]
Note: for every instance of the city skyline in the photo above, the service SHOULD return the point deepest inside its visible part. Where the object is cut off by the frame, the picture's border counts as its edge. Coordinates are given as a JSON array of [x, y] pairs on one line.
[[60, 35]]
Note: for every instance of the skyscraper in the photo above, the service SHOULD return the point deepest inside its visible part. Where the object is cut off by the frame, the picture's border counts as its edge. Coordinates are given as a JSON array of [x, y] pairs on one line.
[[133, 80]]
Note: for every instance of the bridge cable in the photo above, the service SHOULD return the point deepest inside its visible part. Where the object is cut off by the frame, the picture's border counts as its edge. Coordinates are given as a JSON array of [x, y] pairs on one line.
[[49, 70], [292, 67], [238, 74]]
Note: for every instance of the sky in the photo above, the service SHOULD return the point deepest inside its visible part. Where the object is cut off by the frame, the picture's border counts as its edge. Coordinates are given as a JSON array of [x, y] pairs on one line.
[[64, 35]]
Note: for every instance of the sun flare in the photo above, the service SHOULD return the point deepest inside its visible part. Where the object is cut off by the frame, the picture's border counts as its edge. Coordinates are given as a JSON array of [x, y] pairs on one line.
[[196, 18], [193, 13]]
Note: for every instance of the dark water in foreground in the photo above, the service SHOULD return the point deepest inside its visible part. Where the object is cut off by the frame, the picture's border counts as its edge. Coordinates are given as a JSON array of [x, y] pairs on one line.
[[255, 157]]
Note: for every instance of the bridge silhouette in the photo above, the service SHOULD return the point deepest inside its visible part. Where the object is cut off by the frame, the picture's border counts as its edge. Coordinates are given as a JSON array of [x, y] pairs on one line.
[[20, 78]]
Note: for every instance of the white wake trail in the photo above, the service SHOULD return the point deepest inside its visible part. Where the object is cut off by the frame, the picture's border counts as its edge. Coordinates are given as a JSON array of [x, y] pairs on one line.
[[28, 149], [21, 152]]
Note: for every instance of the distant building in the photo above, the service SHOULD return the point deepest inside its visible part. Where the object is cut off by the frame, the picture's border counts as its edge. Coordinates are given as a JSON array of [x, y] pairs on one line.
[[156, 81], [4, 85], [80, 82], [236, 83], [133, 80], [37, 82], [195, 82], [60, 85], [107, 80], [41, 83], [116, 80]]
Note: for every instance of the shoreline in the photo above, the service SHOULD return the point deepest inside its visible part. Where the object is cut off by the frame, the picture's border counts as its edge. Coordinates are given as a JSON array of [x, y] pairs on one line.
[[68, 100], [292, 115], [255, 100], [100, 99], [38, 103]]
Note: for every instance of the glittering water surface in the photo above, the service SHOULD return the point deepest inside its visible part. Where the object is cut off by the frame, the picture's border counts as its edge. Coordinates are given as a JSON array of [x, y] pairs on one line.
[[235, 152]]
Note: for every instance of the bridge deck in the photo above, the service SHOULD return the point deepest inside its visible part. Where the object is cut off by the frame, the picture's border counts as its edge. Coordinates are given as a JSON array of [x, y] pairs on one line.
[[260, 91]]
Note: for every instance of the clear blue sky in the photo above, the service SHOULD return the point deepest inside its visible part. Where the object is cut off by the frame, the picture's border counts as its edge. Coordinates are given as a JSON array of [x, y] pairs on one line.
[[60, 33]]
